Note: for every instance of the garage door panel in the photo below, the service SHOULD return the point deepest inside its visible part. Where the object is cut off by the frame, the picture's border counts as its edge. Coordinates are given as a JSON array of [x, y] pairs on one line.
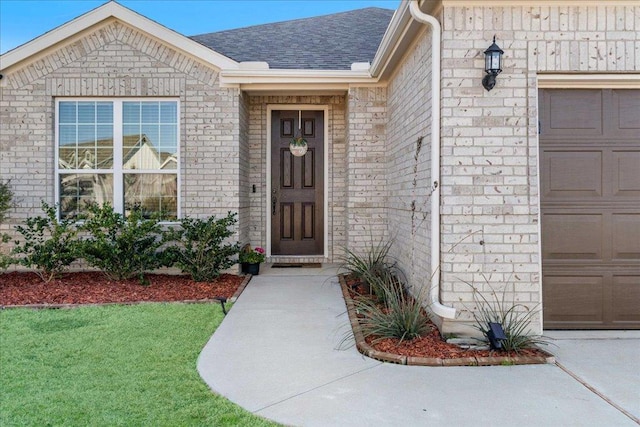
[[575, 298], [572, 174], [625, 298], [626, 171], [590, 208], [626, 102], [572, 237], [575, 115], [626, 237]]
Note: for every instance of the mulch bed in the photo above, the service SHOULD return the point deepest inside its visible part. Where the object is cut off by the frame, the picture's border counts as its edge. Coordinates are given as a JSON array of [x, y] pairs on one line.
[[27, 289], [431, 349]]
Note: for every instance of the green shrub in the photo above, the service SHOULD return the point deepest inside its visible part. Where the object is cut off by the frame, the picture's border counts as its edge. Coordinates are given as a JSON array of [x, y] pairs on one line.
[[49, 245], [202, 249], [399, 315], [122, 247], [6, 201], [5, 259], [515, 318], [370, 265]]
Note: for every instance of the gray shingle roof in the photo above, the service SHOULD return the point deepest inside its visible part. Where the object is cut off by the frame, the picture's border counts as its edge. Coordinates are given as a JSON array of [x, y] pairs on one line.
[[329, 42]]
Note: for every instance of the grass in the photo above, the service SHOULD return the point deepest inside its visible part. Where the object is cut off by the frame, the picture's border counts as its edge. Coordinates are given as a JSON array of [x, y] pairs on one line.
[[112, 365]]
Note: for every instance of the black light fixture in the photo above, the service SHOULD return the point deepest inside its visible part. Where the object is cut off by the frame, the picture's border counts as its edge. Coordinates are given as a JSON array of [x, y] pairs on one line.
[[492, 65], [496, 335], [222, 300]]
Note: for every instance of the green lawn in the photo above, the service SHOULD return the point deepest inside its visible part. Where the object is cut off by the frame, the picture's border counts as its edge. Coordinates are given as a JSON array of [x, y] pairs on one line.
[[115, 365]]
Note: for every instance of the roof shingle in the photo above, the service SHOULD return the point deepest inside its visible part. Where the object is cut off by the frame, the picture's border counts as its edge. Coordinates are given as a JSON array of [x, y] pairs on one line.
[[329, 42]]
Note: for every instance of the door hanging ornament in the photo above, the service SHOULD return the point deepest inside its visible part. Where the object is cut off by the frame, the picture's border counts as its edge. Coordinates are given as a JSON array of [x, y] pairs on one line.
[[298, 145]]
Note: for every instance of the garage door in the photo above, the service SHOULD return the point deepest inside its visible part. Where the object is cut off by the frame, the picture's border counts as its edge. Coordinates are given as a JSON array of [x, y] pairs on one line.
[[590, 202]]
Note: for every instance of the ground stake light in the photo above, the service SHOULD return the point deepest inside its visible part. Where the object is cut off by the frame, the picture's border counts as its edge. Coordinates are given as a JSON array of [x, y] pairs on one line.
[[222, 300], [496, 335], [492, 65]]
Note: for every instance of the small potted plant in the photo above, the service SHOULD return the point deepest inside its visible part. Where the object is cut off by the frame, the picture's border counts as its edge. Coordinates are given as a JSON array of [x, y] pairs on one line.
[[250, 259]]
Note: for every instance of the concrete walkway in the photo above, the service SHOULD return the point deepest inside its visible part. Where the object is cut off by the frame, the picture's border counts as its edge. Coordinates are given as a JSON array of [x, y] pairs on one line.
[[275, 355]]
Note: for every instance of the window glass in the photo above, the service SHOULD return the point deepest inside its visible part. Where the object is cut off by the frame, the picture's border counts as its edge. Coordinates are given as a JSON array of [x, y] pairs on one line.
[[87, 149], [78, 190], [153, 193], [151, 143]]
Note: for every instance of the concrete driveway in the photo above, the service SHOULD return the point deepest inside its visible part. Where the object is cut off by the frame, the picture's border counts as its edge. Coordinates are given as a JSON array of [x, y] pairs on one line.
[[606, 362], [276, 355]]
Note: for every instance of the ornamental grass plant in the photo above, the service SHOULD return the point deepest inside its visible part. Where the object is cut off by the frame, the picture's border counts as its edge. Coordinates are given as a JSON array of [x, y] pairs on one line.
[[369, 265], [398, 314], [514, 317]]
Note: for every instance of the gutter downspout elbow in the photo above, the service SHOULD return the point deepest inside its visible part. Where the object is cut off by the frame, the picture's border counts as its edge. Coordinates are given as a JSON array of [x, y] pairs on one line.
[[434, 290]]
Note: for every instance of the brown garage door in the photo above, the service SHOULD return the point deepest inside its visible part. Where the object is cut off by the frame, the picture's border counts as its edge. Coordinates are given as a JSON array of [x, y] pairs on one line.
[[590, 201]]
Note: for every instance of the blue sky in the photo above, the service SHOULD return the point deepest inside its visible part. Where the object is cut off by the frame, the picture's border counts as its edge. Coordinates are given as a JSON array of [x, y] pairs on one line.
[[24, 20]]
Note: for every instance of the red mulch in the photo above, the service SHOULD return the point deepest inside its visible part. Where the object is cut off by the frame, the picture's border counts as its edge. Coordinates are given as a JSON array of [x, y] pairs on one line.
[[21, 288], [430, 345]]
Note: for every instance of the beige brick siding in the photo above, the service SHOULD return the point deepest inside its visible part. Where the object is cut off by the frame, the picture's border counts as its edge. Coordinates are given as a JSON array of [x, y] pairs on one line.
[[408, 162], [336, 179], [367, 173], [117, 61], [244, 211], [489, 139], [489, 182]]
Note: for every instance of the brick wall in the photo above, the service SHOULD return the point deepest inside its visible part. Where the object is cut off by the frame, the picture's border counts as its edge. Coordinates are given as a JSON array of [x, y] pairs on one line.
[[366, 199], [117, 61], [408, 162], [489, 183], [244, 211], [489, 139]]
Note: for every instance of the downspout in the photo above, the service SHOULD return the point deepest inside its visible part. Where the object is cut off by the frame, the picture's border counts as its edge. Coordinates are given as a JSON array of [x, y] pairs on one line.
[[434, 290]]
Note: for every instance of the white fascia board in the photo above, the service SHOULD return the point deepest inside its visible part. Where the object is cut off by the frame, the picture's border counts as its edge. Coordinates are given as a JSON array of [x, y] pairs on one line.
[[396, 29], [127, 16], [337, 79]]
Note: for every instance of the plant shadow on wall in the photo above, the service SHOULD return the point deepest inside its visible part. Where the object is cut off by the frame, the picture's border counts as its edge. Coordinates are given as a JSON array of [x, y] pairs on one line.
[[394, 319]]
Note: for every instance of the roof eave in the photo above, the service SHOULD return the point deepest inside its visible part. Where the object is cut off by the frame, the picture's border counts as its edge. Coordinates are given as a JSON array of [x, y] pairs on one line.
[[396, 40], [289, 79], [119, 12]]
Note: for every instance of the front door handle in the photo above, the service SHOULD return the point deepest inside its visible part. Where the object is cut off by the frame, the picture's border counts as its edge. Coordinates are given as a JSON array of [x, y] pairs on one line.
[[274, 201]]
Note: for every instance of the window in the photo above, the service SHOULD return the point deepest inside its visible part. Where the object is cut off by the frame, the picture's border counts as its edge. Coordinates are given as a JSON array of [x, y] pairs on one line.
[[124, 152]]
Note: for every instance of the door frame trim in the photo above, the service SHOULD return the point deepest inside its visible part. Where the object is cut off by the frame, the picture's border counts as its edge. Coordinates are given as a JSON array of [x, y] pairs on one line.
[[267, 211]]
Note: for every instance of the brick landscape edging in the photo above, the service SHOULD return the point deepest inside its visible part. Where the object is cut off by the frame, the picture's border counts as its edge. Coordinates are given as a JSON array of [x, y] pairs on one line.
[[364, 348], [235, 296]]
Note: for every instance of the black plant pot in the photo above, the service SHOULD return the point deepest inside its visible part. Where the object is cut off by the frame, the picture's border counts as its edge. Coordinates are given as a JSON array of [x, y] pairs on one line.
[[250, 268]]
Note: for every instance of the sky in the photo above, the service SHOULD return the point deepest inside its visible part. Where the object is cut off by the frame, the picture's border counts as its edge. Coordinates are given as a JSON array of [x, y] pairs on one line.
[[24, 20]]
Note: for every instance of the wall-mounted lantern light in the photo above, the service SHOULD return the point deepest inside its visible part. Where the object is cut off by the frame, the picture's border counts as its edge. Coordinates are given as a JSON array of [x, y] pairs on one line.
[[492, 64]]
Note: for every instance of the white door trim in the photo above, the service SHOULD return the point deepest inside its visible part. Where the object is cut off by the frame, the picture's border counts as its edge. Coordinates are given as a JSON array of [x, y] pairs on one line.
[[325, 110]]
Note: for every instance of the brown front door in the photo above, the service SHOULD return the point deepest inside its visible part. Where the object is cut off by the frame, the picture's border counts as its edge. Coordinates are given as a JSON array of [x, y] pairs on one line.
[[590, 202], [297, 184]]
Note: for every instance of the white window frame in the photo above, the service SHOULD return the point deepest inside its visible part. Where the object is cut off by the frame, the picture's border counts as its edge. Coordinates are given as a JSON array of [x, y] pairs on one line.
[[117, 170]]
